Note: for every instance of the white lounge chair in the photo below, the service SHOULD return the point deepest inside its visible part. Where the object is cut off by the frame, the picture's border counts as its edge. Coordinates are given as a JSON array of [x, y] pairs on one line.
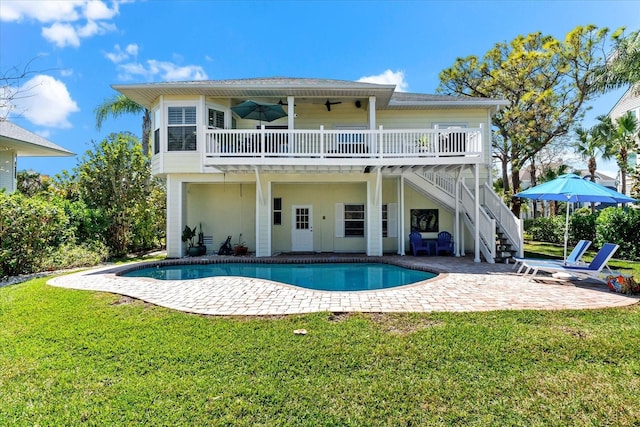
[[591, 271], [573, 259]]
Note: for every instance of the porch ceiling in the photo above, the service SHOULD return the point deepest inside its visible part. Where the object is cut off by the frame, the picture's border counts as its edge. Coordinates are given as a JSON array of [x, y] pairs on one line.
[[290, 169]]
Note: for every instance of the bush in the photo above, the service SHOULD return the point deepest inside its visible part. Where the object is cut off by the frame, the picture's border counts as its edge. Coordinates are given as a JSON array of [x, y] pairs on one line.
[[73, 255], [582, 226], [29, 227], [622, 227], [548, 229]]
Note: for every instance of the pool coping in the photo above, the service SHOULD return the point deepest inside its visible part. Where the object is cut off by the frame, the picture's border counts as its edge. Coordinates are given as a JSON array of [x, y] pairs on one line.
[[462, 285]]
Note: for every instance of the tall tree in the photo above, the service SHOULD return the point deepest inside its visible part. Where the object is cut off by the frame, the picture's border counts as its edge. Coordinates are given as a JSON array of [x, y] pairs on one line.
[[624, 136], [113, 177], [119, 105], [547, 82]]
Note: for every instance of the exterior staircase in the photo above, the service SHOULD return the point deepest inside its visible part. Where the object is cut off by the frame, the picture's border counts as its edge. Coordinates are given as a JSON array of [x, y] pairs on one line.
[[500, 231]]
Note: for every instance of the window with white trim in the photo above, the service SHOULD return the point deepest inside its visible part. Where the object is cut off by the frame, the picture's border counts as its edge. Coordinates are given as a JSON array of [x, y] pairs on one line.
[[181, 129], [215, 118], [353, 220], [277, 211], [156, 131]]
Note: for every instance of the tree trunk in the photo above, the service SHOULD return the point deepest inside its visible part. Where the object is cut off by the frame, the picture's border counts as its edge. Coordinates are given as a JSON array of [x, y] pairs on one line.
[[592, 172], [146, 131], [516, 202]]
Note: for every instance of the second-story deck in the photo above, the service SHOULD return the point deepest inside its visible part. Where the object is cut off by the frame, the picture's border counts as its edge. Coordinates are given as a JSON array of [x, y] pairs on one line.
[[229, 149]]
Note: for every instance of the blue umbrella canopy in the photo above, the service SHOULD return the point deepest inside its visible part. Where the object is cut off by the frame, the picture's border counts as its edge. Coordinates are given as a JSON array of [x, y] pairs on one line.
[[572, 188], [259, 111]]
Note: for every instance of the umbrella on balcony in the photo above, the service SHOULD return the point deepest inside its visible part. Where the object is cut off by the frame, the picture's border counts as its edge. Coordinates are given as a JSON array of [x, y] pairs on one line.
[[571, 188], [259, 111]]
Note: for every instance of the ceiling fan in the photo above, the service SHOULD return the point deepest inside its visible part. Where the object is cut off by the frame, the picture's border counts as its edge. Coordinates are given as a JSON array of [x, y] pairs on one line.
[[281, 102], [328, 104]]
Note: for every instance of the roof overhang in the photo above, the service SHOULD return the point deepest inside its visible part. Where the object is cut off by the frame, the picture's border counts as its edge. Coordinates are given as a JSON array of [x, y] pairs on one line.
[[25, 143], [147, 94]]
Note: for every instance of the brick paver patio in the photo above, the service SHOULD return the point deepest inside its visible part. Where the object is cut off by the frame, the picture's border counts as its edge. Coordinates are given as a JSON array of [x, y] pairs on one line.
[[463, 285]]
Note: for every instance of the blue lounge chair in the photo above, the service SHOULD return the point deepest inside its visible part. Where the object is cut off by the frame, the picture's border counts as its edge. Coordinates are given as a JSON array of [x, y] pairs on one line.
[[415, 241], [573, 259], [591, 271]]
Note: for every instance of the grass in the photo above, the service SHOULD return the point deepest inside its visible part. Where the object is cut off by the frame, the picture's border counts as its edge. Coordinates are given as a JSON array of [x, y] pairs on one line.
[[86, 358], [534, 249]]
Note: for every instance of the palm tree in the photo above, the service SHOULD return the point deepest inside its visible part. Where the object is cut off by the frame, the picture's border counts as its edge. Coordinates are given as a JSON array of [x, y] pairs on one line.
[[621, 69], [621, 138], [120, 104], [589, 145]]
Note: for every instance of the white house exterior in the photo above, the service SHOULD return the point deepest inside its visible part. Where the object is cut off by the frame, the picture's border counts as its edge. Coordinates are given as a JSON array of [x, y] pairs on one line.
[[342, 172], [15, 142], [630, 101]]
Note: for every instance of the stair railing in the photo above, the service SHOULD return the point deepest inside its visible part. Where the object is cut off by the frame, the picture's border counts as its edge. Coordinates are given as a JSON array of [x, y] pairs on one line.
[[511, 225], [486, 224]]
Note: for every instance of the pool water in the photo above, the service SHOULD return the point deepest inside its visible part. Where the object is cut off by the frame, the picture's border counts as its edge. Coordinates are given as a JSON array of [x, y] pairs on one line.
[[321, 276]]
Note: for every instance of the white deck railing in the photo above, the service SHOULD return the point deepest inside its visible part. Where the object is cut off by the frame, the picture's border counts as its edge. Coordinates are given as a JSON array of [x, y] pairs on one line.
[[322, 143]]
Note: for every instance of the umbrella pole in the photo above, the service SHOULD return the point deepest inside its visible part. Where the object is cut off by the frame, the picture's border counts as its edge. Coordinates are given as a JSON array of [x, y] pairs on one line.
[[566, 233]]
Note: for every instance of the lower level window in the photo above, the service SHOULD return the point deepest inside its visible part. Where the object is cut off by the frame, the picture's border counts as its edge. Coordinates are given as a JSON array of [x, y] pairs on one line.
[[353, 220]]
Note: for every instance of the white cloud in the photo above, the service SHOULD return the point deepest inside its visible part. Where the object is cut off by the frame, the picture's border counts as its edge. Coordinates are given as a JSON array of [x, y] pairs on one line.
[[45, 101], [119, 55], [44, 11], [70, 20], [388, 77], [161, 70], [61, 35]]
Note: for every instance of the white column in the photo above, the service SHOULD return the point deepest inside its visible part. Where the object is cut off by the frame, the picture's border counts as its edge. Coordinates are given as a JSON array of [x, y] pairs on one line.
[[374, 215], [175, 213], [263, 216], [401, 215], [476, 228]]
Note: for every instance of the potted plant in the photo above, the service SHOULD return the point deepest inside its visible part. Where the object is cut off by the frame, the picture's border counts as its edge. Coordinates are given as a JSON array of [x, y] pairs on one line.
[[188, 234], [240, 248]]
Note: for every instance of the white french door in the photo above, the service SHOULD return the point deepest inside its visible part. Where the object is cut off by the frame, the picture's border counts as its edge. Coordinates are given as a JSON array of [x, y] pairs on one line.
[[302, 228]]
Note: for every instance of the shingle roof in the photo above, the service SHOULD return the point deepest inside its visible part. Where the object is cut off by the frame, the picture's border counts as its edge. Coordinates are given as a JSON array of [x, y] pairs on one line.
[[28, 143]]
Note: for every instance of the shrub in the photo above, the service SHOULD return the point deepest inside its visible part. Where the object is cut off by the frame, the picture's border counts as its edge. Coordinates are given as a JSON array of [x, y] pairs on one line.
[[620, 226], [73, 255], [582, 226], [549, 229]]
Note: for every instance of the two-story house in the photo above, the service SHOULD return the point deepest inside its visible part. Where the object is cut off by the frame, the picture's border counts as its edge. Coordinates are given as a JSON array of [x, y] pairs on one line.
[[349, 167]]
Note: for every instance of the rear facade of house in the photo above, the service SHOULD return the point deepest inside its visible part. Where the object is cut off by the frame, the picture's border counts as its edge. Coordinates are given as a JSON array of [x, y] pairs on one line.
[[351, 168]]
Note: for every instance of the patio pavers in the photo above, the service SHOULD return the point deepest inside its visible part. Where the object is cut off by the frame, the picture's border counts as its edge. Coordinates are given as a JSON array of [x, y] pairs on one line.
[[463, 285]]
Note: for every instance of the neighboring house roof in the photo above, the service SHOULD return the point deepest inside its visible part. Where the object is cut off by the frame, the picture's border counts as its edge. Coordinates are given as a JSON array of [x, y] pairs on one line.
[[629, 101], [275, 87], [27, 143]]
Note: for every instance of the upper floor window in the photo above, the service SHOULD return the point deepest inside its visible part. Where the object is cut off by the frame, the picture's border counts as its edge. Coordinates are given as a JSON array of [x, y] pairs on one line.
[[181, 129], [215, 119]]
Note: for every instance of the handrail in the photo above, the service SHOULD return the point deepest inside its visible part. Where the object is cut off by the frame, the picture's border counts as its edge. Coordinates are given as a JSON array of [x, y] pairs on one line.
[[510, 224], [327, 143], [486, 225]]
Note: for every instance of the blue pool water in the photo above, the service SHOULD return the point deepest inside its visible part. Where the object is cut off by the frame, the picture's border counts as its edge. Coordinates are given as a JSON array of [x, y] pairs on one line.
[[321, 276]]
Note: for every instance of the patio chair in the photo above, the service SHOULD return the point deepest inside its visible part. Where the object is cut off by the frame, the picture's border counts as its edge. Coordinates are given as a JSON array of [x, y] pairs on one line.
[[415, 241], [444, 243], [573, 258], [591, 271]]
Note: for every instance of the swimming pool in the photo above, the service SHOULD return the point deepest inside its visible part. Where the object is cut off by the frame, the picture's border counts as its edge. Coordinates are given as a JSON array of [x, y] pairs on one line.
[[318, 276]]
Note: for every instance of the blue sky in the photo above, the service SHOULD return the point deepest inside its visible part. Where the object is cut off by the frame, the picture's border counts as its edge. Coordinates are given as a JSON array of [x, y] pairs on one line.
[[79, 48]]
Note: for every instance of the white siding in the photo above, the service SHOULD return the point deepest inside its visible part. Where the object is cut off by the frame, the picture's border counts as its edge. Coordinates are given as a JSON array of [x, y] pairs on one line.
[[7, 170]]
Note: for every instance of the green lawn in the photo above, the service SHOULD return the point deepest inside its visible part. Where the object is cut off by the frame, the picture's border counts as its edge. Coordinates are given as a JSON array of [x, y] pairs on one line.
[[85, 358]]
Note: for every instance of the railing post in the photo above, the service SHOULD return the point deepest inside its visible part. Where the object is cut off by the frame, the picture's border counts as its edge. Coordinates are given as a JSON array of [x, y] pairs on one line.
[[322, 151], [262, 137], [379, 139]]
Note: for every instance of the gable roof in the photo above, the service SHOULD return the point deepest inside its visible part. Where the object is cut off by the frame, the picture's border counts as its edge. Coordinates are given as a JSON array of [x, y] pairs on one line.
[[278, 87], [27, 143]]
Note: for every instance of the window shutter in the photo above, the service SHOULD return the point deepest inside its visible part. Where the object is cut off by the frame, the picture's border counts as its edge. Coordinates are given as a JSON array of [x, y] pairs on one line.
[[392, 220], [339, 219]]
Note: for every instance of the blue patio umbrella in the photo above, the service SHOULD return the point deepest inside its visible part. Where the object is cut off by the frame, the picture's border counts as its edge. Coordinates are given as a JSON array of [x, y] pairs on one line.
[[259, 111], [571, 188]]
